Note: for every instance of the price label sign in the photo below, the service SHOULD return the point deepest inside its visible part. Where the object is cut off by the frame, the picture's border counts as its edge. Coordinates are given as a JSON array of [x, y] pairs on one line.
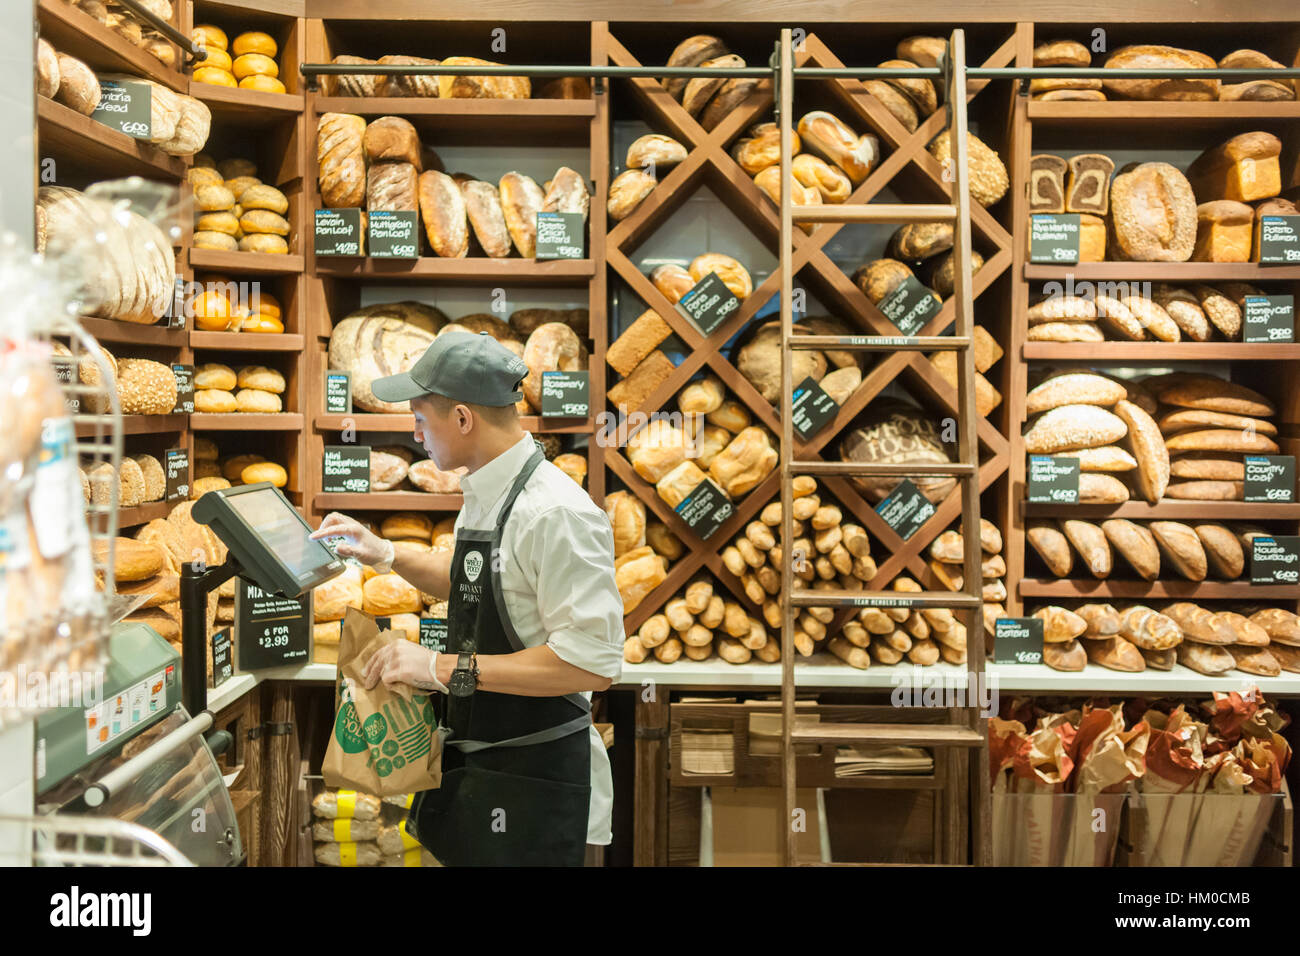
[[125, 106], [708, 303], [337, 232], [223, 661], [906, 509], [347, 469], [1054, 238], [184, 389], [65, 370], [560, 235], [705, 509], [813, 408], [176, 465], [393, 234], [1018, 640], [1268, 318], [433, 633], [176, 307], [1279, 240], [1275, 560], [565, 395], [271, 631], [1053, 480], [1270, 478], [910, 306], [338, 393]]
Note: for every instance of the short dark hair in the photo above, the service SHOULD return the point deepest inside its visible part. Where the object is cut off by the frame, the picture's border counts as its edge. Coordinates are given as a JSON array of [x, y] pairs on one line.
[[498, 416]]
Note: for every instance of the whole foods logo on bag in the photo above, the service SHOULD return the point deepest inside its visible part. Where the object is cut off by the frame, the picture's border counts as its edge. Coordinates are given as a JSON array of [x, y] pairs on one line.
[[347, 728], [391, 741], [473, 565]]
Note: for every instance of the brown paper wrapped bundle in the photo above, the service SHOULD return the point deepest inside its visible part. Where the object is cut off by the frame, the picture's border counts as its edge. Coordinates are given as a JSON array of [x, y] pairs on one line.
[[1230, 821], [1006, 738], [1041, 770], [1107, 757], [1174, 764]]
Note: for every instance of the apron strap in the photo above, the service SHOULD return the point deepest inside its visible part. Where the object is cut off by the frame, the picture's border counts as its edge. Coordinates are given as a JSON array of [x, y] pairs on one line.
[[537, 737]]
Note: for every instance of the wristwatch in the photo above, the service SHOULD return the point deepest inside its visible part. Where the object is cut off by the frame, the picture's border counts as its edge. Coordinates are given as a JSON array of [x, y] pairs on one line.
[[464, 679]]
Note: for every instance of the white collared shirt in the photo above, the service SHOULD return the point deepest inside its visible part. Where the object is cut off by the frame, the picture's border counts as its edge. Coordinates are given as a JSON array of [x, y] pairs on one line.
[[557, 578]]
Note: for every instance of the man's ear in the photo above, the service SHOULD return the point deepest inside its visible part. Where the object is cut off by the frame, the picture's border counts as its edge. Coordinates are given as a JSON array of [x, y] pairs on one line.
[[464, 418]]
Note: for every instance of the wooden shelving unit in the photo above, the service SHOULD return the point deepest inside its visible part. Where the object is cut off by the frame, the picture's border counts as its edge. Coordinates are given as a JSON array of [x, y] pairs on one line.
[[76, 33], [78, 142], [246, 263]]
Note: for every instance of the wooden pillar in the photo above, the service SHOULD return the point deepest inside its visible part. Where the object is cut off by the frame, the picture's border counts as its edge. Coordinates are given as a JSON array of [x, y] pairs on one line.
[[650, 829], [280, 774]]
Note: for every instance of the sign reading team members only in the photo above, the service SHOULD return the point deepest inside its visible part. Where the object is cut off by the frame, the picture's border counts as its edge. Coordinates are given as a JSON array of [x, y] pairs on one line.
[[1054, 238], [906, 509], [910, 306], [337, 232], [126, 107]]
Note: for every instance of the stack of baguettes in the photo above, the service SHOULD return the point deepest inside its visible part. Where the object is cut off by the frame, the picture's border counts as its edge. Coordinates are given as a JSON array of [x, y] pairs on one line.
[[1254, 640], [1179, 435], [697, 622], [381, 166]]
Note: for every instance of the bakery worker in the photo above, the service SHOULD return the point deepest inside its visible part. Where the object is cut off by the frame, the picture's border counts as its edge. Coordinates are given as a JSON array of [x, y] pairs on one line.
[[535, 622]]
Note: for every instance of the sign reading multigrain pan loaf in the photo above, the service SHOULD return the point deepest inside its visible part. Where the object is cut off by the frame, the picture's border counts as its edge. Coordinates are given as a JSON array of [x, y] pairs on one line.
[[1053, 480], [1018, 640], [337, 232], [126, 107], [1279, 240], [560, 235], [393, 234], [565, 394], [1268, 318], [271, 630], [223, 664], [177, 467], [1275, 560], [1054, 238], [906, 509], [910, 306], [338, 393], [1270, 478], [708, 303], [705, 509], [812, 409], [433, 633], [347, 469], [184, 389]]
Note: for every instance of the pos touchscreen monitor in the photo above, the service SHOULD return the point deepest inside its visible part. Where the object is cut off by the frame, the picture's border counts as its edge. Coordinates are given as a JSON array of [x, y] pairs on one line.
[[268, 538]]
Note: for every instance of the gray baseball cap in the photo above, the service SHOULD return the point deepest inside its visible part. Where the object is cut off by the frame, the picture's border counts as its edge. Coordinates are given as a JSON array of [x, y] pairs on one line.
[[461, 366]]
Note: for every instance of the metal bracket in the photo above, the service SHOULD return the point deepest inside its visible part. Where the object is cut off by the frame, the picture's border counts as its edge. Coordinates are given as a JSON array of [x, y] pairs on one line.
[[271, 729], [598, 86], [945, 66]]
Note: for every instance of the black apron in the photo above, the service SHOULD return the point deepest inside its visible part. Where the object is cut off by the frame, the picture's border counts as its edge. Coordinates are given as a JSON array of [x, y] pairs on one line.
[[516, 771]]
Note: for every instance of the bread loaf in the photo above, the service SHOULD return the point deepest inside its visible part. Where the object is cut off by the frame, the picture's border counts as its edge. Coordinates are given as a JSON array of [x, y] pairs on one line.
[[1282, 626], [1047, 184], [491, 87], [897, 103], [700, 89], [1216, 395], [631, 393], [1136, 544], [1069, 656], [1074, 388], [442, 208], [639, 339], [626, 192], [1182, 547], [746, 461], [552, 347], [1089, 540], [1148, 448], [1102, 620], [1203, 465], [1073, 426], [897, 433], [1065, 332], [521, 201], [1105, 458], [1222, 550], [1254, 660], [1115, 653], [392, 186], [759, 360], [1221, 440], [826, 136], [1224, 231], [1244, 169], [1149, 629], [391, 139], [1185, 310], [340, 157], [919, 90], [1152, 57], [1224, 314], [567, 192], [1200, 626], [987, 173], [692, 51], [1153, 214], [405, 84], [1052, 546], [1088, 190], [78, 86], [1206, 490], [1060, 625], [1205, 659], [656, 151]]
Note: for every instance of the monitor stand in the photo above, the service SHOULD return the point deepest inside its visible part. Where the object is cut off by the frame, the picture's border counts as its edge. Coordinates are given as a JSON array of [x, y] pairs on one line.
[[197, 582]]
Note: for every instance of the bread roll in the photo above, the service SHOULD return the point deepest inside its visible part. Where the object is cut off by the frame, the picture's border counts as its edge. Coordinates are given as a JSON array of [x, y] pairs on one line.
[[626, 192], [259, 402], [340, 156], [1158, 57]]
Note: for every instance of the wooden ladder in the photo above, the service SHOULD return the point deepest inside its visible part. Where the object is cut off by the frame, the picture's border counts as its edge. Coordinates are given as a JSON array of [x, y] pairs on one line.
[[967, 729]]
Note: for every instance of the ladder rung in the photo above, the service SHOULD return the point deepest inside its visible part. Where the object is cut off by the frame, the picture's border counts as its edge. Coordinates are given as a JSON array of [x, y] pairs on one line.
[[876, 212], [919, 599], [916, 735], [881, 343], [851, 469]]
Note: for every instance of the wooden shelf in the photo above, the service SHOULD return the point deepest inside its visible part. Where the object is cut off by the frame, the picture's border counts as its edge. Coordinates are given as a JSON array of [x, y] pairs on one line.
[[250, 263], [477, 270], [246, 422], [140, 425], [1171, 590], [386, 501], [1125, 113], [86, 143], [131, 333], [143, 514], [78, 34], [247, 341], [481, 122], [249, 108], [1101, 352], [1171, 510], [371, 422], [1164, 271]]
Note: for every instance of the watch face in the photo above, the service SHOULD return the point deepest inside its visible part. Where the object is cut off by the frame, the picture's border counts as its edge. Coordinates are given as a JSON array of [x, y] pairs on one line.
[[462, 683]]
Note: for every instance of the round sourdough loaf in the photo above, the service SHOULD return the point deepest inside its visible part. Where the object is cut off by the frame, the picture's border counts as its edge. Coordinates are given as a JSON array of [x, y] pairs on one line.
[[1153, 214]]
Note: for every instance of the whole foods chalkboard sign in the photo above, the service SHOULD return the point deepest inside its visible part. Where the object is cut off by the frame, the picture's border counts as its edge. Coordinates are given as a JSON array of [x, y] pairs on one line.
[[906, 509], [393, 234], [705, 509], [126, 107], [223, 662], [184, 389], [910, 306], [1268, 318], [565, 394], [347, 469], [560, 235], [813, 409], [177, 469], [1018, 640], [1279, 240], [270, 630], [433, 633], [1054, 238], [1270, 478], [1053, 480], [337, 232], [1275, 560], [708, 303], [338, 393]]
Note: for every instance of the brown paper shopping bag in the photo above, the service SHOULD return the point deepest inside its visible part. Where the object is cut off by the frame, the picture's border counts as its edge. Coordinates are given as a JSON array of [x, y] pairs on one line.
[[385, 741]]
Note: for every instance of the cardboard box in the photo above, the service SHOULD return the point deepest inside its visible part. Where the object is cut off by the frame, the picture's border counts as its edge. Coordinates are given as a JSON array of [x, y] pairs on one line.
[[748, 828]]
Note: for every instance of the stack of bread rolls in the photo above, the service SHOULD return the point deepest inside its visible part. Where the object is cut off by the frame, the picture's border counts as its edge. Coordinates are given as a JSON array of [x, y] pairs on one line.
[[139, 479], [144, 387], [259, 389], [235, 211], [646, 156], [1259, 641], [134, 29], [697, 622], [1199, 312], [221, 305], [922, 637], [66, 80], [248, 62], [213, 471], [947, 556], [710, 99]]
